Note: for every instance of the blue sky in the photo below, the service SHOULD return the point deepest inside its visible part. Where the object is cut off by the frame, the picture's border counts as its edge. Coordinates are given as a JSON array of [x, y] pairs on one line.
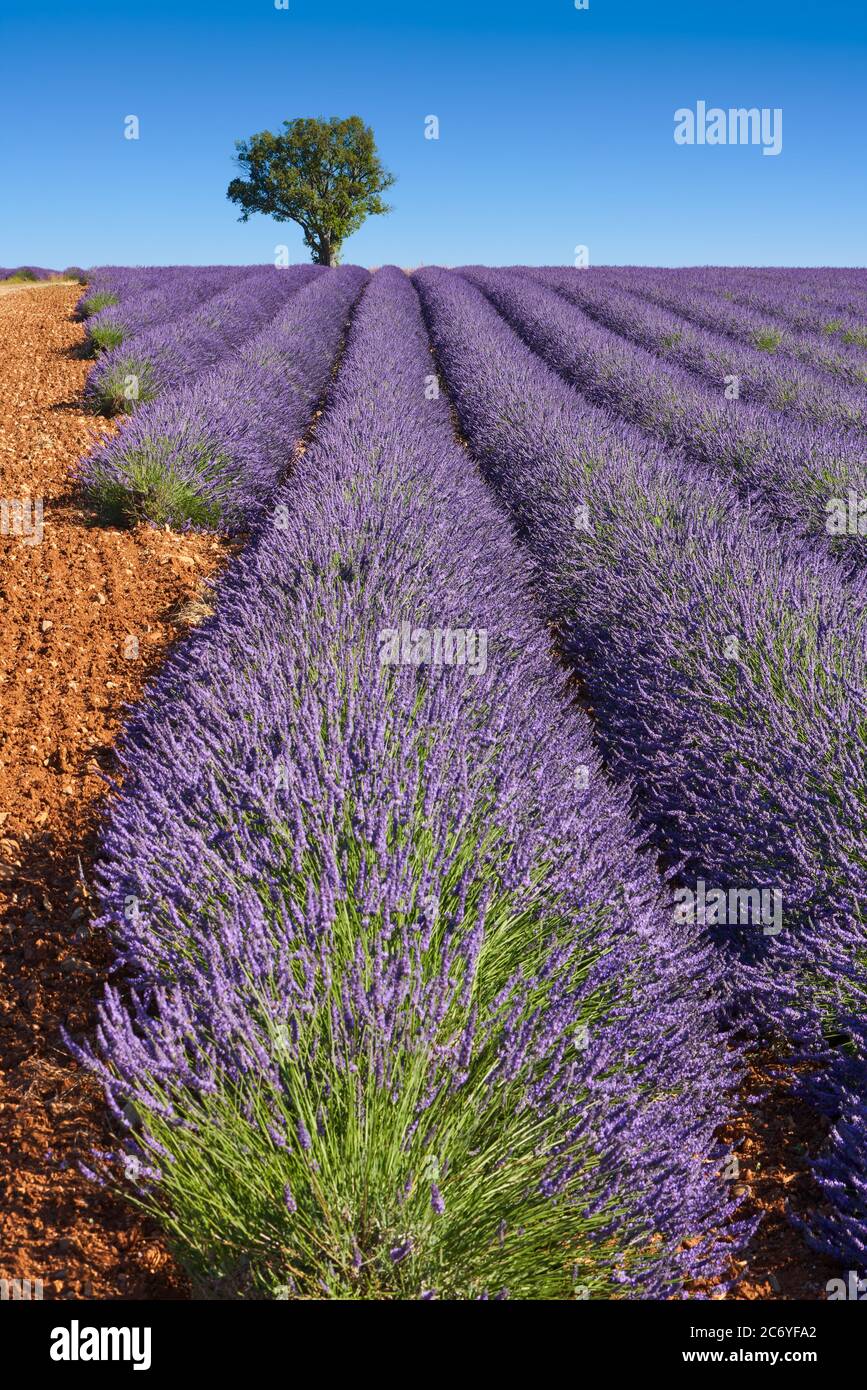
[[556, 127]]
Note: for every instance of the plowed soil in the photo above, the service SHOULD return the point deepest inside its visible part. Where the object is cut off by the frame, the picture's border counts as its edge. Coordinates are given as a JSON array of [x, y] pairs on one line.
[[771, 1139], [87, 615]]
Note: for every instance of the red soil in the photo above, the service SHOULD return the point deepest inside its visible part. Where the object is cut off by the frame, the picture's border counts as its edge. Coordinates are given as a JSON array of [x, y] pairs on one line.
[[772, 1138], [68, 608]]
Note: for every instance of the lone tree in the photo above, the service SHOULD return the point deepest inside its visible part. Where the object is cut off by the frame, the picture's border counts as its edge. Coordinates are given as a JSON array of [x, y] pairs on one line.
[[324, 175]]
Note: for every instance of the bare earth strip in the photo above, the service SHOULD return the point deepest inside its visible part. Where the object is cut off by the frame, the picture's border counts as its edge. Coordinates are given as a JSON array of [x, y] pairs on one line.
[[69, 607], [36, 285]]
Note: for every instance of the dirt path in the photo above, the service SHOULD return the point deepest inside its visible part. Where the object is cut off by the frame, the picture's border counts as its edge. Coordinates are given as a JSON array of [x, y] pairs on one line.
[[772, 1138], [87, 613], [36, 285]]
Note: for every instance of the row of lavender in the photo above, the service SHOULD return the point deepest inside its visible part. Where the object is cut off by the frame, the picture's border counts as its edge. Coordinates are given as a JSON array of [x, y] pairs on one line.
[[235, 360], [159, 328], [725, 665], [819, 338], [113, 315], [814, 318], [755, 363], [24, 273], [800, 467], [410, 1015]]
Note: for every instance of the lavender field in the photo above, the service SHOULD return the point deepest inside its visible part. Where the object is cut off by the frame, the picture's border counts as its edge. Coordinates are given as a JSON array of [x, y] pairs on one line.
[[510, 804]]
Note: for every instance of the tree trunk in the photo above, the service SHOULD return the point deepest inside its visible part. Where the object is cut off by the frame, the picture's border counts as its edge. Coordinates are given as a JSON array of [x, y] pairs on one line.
[[325, 253]]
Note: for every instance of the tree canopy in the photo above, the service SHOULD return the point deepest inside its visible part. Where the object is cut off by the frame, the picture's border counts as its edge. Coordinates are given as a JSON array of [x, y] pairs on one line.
[[326, 175]]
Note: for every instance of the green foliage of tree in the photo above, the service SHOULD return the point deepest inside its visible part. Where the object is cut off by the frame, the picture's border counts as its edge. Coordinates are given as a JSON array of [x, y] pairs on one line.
[[326, 175]]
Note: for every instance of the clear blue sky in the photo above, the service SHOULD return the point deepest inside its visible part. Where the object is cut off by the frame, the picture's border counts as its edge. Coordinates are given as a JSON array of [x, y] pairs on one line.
[[556, 127]]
